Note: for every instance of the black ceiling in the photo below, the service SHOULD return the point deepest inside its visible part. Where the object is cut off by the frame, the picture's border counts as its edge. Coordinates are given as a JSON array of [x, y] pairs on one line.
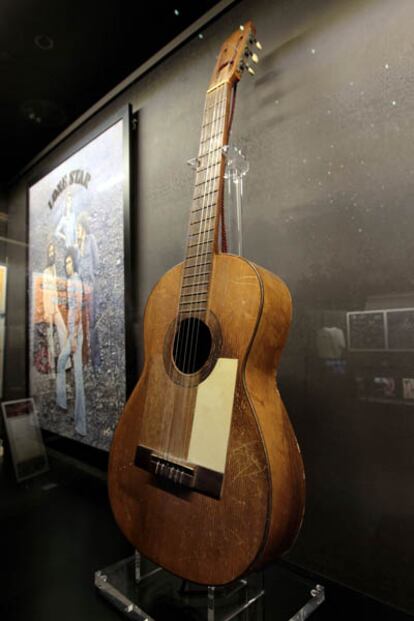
[[58, 57]]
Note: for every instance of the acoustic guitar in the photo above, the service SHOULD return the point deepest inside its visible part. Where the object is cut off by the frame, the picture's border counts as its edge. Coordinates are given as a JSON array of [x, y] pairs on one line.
[[205, 476]]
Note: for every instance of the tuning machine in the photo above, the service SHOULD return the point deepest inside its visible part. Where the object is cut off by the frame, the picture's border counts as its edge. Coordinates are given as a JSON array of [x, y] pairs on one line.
[[248, 53], [252, 39], [243, 65]]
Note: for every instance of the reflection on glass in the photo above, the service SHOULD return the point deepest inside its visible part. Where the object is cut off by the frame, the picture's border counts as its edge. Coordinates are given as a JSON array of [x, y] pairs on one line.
[[372, 349]]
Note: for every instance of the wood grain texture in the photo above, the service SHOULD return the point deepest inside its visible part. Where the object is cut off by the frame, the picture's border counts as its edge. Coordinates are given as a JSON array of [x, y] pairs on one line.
[[202, 539]]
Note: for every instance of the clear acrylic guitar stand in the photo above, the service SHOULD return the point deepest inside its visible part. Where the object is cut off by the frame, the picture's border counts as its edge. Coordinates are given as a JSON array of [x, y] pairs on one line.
[[145, 592], [236, 169]]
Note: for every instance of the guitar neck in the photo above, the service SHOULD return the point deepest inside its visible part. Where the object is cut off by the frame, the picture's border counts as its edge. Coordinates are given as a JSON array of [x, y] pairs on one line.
[[207, 199]]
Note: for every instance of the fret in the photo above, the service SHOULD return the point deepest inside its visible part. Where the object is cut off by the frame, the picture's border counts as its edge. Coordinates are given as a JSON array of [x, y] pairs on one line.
[[202, 220], [210, 111], [209, 151], [195, 275], [186, 302], [199, 254], [200, 192], [214, 116], [205, 231], [208, 165], [206, 181], [196, 265], [207, 138], [204, 282], [210, 186], [208, 174], [199, 301], [202, 169], [206, 241], [192, 310], [212, 137], [214, 104], [214, 124], [207, 130], [206, 208], [186, 295], [200, 232], [203, 205]]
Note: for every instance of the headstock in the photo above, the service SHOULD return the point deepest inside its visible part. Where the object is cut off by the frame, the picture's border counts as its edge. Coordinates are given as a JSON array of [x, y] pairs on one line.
[[234, 57]]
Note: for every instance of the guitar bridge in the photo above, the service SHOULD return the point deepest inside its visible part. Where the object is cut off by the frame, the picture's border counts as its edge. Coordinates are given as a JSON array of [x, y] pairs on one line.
[[179, 473]]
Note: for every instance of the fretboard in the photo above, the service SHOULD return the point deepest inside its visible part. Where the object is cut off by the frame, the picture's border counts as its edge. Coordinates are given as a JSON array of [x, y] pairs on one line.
[[208, 191]]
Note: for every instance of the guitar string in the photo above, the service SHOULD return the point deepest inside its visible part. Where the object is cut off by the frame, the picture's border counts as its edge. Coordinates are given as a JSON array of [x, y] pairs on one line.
[[197, 268], [178, 344], [169, 407], [209, 188], [209, 207]]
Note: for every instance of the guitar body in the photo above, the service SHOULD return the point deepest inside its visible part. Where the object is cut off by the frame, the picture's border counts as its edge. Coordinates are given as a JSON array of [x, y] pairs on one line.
[[258, 512]]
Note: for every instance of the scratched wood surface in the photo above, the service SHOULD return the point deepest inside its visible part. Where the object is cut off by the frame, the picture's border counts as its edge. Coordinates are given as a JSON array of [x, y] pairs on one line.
[[206, 540]]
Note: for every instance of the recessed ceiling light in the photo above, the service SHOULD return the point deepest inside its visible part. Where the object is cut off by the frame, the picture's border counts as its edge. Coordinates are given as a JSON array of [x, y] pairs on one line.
[[44, 42]]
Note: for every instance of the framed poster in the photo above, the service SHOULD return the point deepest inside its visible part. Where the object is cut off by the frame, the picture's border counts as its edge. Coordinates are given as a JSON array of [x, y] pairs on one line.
[[26, 443], [78, 265]]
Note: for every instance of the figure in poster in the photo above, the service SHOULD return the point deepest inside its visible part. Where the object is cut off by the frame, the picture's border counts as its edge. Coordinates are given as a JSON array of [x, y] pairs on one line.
[[51, 312], [66, 228], [88, 264], [73, 344]]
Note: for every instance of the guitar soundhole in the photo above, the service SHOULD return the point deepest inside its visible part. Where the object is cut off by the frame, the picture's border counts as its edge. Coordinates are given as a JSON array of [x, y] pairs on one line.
[[192, 345]]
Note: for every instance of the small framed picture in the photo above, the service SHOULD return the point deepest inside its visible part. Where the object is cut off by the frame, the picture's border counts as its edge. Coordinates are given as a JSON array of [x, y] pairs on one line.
[[25, 439], [408, 388]]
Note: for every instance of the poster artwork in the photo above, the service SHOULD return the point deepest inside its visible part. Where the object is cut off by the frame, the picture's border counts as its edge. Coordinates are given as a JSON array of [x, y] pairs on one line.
[[76, 267]]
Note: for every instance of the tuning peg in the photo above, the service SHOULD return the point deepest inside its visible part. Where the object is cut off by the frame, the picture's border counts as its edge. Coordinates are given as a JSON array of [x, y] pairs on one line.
[[241, 27], [258, 45], [250, 70], [255, 58]]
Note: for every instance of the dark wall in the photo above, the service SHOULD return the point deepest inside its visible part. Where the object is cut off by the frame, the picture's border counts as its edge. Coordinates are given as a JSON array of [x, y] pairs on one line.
[[327, 127]]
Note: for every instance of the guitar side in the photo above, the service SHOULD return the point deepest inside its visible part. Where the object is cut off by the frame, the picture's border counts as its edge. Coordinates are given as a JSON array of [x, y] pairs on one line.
[[286, 470]]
